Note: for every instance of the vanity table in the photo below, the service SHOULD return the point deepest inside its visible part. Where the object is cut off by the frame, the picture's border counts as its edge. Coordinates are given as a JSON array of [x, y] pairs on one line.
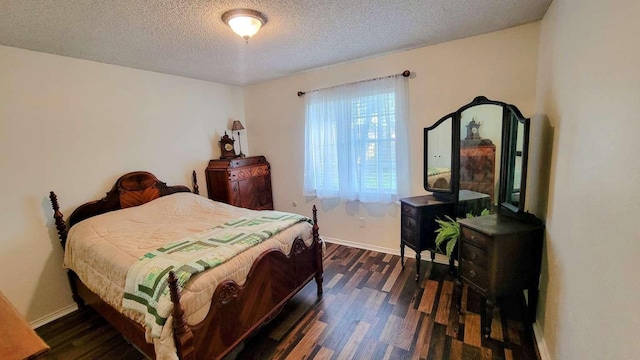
[[418, 220], [500, 256]]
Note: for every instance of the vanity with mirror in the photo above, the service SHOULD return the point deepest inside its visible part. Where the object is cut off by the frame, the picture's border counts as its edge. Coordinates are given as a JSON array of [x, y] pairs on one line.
[[474, 159]]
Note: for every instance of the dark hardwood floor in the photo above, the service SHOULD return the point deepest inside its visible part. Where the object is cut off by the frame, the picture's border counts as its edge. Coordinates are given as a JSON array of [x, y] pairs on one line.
[[371, 309]]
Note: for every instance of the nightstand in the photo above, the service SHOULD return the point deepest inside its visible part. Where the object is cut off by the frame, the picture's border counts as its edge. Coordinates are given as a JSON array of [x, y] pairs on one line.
[[500, 256]]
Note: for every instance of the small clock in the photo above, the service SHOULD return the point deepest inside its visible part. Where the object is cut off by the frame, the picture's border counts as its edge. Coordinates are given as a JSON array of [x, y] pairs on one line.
[[473, 130], [227, 150]]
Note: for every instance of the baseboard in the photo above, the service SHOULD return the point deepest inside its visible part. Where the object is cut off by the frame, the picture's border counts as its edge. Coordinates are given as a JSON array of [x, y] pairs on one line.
[[542, 345], [441, 259], [53, 316]]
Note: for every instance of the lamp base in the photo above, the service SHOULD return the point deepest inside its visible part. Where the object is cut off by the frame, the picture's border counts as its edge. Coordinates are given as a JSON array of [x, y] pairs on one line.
[[240, 146]]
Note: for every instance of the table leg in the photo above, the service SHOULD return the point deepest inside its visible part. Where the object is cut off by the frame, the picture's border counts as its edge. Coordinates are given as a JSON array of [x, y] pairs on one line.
[[417, 265], [457, 294], [402, 254], [490, 304], [532, 293]]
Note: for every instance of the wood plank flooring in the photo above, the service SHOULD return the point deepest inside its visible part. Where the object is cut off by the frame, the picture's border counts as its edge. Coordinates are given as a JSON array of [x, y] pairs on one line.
[[371, 309]]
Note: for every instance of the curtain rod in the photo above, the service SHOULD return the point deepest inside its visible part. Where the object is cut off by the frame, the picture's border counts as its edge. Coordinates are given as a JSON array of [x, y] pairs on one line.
[[405, 73]]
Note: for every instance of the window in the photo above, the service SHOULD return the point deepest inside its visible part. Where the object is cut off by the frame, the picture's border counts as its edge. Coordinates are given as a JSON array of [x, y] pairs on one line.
[[356, 141]]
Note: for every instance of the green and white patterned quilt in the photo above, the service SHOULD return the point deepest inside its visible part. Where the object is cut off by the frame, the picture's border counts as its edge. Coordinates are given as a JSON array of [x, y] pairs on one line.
[[146, 289]]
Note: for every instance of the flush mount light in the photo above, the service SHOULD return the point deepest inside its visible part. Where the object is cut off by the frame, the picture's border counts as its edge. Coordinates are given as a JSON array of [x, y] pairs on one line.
[[244, 22]]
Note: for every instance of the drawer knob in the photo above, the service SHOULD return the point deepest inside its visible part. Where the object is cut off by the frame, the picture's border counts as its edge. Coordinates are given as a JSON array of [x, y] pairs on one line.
[[473, 237], [474, 256], [472, 274]]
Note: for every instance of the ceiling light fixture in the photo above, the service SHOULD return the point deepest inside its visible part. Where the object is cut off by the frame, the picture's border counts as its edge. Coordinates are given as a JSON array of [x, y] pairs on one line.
[[244, 22]]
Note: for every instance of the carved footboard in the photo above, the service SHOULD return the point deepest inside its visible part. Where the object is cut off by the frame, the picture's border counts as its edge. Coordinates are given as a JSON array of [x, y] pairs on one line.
[[236, 311]]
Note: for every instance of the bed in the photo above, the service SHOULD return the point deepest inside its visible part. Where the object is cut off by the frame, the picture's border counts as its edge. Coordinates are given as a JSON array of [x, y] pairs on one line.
[[438, 177], [216, 309]]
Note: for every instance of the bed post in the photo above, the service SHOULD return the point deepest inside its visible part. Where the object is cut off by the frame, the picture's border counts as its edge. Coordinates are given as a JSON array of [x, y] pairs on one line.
[[181, 331], [194, 180], [317, 242], [61, 226], [59, 219]]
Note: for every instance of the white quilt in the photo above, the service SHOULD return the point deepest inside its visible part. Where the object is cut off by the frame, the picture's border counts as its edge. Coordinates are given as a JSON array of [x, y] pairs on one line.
[[102, 248]]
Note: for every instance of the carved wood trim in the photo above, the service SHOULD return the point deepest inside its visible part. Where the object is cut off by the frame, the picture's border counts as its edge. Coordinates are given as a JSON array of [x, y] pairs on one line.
[[298, 246], [249, 172], [228, 292]]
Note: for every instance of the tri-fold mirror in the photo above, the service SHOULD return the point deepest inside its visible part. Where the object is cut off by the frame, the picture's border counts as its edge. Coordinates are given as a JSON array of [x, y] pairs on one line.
[[479, 150]]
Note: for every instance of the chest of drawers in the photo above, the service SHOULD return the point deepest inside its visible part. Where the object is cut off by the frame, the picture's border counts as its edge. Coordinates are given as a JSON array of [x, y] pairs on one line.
[[500, 256], [478, 168], [243, 182]]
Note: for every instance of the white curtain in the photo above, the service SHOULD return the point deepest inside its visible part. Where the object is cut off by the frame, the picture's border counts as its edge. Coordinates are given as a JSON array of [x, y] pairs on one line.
[[356, 141]]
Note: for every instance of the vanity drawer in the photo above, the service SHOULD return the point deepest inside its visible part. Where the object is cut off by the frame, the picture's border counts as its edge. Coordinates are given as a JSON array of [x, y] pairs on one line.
[[473, 255], [408, 235], [409, 223], [476, 238], [410, 211], [474, 274]]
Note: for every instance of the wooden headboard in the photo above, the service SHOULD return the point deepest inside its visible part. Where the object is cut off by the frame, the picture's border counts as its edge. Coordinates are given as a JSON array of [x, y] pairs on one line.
[[131, 189]]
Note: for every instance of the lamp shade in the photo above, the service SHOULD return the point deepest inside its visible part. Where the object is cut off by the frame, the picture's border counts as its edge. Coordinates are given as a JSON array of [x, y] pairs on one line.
[[237, 126], [244, 22]]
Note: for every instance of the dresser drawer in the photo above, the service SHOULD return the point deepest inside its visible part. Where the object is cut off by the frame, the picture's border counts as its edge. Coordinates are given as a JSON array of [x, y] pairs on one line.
[[410, 211], [408, 236], [476, 238], [473, 255], [409, 223], [474, 274]]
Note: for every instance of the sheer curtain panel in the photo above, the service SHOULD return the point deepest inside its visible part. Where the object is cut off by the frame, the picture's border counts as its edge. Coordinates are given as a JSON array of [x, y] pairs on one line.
[[356, 142]]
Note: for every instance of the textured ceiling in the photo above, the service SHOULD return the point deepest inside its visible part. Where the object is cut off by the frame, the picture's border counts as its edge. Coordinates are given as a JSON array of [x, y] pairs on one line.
[[188, 38]]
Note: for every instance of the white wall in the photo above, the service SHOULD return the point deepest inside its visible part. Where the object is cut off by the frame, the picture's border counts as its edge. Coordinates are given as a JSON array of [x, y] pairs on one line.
[[589, 93], [74, 126], [500, 65]]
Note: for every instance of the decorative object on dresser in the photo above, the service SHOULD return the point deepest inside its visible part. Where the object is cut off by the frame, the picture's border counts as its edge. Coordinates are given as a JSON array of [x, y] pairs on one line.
[[227, 150], [237, 126], [500, 256], [243, 182]]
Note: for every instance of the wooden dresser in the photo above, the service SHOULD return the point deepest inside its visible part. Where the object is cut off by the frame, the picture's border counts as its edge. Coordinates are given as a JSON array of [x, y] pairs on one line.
[[19, 341], [500, 256], [242, 181], [478, 168], [418, 220]]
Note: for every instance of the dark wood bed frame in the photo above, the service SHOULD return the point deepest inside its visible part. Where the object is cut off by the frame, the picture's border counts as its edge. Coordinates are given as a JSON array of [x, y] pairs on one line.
[[236, 311]]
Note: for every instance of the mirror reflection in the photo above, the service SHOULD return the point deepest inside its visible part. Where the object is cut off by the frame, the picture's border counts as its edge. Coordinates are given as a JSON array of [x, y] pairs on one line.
[[439, 141], [480, 150], [476, 157], [515, 161]]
